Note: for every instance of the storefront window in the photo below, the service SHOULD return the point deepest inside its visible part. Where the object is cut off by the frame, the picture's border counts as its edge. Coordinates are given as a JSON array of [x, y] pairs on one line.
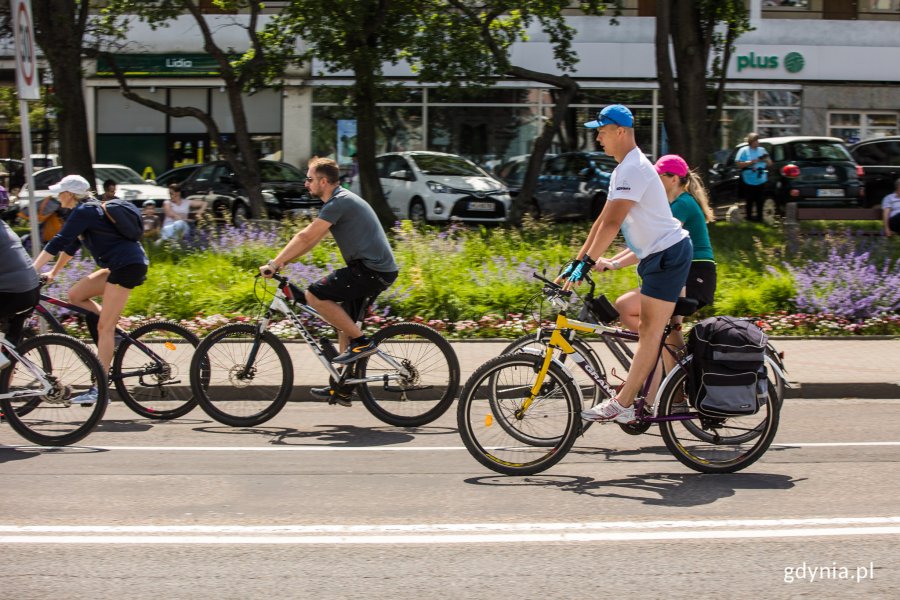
[[399, 129], [483, 134], [602, 97], [856, 126]]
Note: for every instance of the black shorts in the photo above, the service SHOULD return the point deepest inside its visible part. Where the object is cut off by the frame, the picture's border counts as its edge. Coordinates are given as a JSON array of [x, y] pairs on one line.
[[129, 276], [894, 223], [352, 287], [15, 308], [701, 282]]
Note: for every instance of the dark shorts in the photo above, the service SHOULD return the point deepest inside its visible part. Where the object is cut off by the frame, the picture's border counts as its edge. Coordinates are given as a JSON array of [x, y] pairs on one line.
[[894, 223], [664, 273], [15, 308], [353, 286], [701, 282], [129, 276]]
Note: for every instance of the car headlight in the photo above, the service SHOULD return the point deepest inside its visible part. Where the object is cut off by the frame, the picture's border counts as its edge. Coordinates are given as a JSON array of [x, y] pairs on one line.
[[439, 188]]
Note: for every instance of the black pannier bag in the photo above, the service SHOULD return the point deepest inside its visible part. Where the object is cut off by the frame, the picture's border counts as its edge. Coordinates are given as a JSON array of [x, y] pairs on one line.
[[728, 375]]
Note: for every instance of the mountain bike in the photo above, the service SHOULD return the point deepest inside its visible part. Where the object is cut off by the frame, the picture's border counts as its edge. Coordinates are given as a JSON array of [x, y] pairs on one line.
[[36, 389], [519, 414], [147, 364], [242, 374]]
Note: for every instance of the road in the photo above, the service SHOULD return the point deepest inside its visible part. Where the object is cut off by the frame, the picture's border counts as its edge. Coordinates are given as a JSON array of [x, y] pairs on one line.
[[325, 502]]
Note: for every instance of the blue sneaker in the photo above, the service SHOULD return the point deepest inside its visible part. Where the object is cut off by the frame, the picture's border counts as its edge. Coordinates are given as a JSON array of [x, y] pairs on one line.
[[355, 352], [88, 398]]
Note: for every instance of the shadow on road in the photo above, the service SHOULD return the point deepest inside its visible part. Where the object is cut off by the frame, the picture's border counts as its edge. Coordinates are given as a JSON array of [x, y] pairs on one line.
[[661, 489], [348, 436]]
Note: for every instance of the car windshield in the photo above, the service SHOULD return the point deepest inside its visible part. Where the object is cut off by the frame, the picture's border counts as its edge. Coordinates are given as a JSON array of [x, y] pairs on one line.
[[434, 164], [118, 174], [819, 150]]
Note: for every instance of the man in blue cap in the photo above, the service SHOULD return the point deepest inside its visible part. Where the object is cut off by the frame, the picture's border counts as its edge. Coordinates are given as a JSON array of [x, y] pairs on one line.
[[638, 206]]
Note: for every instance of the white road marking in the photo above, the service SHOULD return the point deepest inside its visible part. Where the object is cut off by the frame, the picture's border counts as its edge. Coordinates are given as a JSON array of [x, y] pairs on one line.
[[471, 533], [323, 448]]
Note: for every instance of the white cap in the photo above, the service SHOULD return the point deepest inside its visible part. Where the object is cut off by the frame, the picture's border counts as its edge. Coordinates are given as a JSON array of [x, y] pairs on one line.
[[71, 183]]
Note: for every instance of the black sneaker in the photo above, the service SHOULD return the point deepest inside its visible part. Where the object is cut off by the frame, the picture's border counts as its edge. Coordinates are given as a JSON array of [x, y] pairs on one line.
[[327, 393], [355, 352]]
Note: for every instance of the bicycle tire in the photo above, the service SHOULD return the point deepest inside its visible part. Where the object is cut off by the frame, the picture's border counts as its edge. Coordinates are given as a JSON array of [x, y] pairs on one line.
[[433, 379], [717, 453], [74, 368], [223, 388], [503, 382]]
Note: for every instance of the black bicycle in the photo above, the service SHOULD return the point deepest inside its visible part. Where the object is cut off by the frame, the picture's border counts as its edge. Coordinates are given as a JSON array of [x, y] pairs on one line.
[[148, 364]]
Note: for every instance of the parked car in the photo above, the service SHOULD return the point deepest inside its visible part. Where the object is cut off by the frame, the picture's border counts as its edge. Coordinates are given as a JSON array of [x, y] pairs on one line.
[[512, 172], [16, 171], [129, 185], [880, 160], [176, 175], [808, 170], [434, 186], [284, 190], [573, 185]]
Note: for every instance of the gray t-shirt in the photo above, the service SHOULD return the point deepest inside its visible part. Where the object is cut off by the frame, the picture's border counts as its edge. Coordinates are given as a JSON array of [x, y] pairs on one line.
[[357, 231], [17, 274]]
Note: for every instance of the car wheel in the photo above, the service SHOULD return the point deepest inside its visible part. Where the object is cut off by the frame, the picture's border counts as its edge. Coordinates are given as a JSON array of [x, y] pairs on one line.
[[417, 212], [241, 214], [597, 205]]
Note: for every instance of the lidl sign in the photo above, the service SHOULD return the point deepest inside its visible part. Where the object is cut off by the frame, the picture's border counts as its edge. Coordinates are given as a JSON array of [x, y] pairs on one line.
[[793, 62], [161, 65]]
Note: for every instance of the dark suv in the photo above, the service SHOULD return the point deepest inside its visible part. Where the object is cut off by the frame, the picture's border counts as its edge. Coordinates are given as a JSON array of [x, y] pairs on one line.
[[812, 171], [880, 160], [573, 185], [283, 187]]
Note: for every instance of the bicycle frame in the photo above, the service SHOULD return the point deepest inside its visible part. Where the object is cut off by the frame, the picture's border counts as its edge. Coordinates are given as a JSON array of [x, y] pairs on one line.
[[57, 325], [280, 304], [37, 372]]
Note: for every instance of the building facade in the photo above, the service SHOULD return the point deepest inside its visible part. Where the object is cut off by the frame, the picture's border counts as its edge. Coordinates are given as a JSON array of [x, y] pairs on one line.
[[811, 67]]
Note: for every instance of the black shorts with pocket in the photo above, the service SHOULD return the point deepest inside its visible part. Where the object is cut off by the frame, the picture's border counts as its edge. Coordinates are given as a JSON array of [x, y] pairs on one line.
[[352, 286], [701, 282], [129, 276]]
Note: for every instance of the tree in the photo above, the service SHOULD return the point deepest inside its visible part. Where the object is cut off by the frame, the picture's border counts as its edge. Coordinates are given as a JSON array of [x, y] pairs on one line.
[[359, 36], [702, 33], [60, 29], [270, 50], [471, 44]]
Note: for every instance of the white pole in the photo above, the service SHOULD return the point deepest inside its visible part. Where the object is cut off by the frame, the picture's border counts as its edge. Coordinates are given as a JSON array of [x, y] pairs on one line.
[[29, 178]]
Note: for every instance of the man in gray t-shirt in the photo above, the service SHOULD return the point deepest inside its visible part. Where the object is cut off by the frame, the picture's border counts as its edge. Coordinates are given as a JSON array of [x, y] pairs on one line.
[[341, 296], [19, 286]]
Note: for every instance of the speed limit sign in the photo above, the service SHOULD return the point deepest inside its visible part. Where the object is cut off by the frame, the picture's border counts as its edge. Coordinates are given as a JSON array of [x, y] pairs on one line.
[[26, 61]]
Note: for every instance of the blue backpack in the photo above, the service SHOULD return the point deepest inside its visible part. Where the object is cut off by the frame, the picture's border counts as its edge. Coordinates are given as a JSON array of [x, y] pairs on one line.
[[125, 217]]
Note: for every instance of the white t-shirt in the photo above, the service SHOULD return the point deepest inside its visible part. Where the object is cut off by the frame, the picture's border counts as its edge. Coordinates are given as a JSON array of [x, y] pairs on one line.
[[649, 226], [183, 210], [892, 203]]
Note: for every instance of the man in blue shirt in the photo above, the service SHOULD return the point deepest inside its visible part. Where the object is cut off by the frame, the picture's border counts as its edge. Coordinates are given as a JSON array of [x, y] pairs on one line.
[[753, 160]]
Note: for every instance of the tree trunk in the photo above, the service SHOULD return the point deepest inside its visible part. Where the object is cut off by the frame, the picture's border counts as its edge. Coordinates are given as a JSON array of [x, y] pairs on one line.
[[59, 31], [364, 94], [691, 60]]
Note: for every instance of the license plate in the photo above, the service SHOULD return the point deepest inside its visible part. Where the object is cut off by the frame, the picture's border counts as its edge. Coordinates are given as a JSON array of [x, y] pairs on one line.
[[481, 206], [829, 193]]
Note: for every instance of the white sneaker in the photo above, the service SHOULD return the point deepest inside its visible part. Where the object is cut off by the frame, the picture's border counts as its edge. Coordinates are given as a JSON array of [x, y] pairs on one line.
[[609, 410], [88, 398]]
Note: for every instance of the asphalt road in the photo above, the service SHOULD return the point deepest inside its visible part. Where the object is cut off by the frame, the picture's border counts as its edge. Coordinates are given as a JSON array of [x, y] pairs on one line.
[[326, 502]]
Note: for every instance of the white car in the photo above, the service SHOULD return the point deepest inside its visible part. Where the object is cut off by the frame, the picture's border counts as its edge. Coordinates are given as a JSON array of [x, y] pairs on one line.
[[434, 186], [129, 185]]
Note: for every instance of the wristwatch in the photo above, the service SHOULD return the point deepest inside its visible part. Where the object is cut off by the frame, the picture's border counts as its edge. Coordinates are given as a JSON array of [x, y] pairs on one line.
[[615, 264], [273, 264]]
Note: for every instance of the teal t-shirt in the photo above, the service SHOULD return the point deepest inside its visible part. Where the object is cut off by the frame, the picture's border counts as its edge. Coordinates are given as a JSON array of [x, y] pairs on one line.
[[686, 210]]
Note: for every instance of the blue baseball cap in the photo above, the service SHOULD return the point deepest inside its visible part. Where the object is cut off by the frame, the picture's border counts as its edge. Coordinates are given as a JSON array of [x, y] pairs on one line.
[[614, 114]]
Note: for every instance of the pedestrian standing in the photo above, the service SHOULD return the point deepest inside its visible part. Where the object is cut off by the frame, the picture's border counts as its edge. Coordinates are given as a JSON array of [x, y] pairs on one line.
[[753, 161]]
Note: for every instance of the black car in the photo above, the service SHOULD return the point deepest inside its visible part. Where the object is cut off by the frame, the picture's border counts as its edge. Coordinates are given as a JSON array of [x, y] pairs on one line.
[[573, 185], [811, 171], [880, 161], [283, 187], [176, 175]]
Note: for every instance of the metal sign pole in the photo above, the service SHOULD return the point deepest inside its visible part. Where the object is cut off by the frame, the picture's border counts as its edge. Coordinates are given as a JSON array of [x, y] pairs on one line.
[[33, 214]]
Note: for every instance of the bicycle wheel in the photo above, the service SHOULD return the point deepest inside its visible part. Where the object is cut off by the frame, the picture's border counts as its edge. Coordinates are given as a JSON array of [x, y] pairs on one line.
[[774, 377], [71, 369], [725, 445], [427, 389], [150, 376], [493, 423], [231, 389], [590, 393]]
